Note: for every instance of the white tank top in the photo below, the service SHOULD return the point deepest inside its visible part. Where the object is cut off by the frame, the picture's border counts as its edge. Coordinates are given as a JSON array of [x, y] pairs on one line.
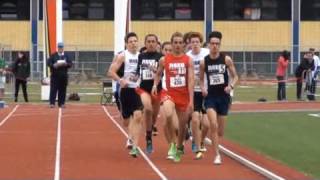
[[196, 58], [130, 68]]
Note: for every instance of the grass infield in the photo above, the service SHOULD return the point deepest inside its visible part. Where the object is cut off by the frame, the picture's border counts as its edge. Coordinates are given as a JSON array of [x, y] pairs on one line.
[[290, 137]]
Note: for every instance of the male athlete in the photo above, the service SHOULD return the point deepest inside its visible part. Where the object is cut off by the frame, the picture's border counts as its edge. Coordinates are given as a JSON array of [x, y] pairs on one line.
[[131, 106], [178, 91], [218, 67]]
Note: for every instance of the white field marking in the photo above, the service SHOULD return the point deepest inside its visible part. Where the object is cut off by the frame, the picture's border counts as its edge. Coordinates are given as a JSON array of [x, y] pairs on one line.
[[250, 164], [272, 111], [9, 115], [58, 148], [153, 166], [315, 115]]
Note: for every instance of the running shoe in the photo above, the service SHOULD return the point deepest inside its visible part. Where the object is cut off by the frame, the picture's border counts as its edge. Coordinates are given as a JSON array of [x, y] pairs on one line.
[[217, 160], [149, 148], [134, 152], [199, 155], [172, 151], [177, 157], [207, 141], [194, 147]]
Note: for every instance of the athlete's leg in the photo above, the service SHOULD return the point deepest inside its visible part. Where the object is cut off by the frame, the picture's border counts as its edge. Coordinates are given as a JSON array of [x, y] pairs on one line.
[[147, 113], [205, 126], [212, 117], [195, 126]]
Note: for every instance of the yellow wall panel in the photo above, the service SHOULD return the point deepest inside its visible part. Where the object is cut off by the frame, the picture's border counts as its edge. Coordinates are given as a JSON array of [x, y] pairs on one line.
[[164, 29], [89, 35], [254, 35], [310, 35], [15, 34], [237, 35]]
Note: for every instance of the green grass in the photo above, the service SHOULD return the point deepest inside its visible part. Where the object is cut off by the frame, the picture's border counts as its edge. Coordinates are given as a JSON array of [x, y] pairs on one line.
[[292, 137], [244, 94], [34, 91], [254, 92]]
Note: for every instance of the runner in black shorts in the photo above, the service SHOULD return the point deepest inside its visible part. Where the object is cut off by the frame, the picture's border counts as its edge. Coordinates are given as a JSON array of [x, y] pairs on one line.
[[200, 124], [217, 67], [131, 106], [147, 65]]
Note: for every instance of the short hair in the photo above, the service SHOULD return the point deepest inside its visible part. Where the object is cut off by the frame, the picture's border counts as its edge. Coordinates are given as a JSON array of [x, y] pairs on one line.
[[151, 35], [186, 36], [129, 35], [215, 34], [196, 35], [176, 34], [165, 43], [312, 50]]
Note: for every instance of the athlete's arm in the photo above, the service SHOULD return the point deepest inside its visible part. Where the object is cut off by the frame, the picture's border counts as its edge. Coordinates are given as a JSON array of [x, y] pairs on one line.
[[202, 69], [157, 76], [191, 82], [115, 66], [233, 74]]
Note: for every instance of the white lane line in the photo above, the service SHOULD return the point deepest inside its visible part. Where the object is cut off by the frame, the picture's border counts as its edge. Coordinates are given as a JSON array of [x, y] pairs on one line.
[[58, 147], [315, 115], [9, 115], [153, 166], [250, 164]]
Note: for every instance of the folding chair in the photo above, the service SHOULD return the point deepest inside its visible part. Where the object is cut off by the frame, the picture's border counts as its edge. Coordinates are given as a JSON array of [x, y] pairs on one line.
[[107, 95]]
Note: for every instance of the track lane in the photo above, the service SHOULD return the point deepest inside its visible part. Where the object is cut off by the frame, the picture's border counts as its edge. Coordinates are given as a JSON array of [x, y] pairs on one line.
[[93, 148], [28, 143], [189, 168]]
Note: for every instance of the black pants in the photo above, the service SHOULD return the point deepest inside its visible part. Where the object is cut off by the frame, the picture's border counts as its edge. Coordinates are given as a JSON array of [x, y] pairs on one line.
[[23, 83], [299, 88], [281, 88], [58, 85], [312, 90]]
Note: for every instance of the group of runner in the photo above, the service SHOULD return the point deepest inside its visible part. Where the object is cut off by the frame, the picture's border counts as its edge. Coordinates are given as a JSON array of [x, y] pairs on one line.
[[191, 84]]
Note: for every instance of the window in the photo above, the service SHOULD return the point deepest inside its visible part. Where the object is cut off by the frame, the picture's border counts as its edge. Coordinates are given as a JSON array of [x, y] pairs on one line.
[[310, 10], [78, 9], [167, 9], [8, 9]]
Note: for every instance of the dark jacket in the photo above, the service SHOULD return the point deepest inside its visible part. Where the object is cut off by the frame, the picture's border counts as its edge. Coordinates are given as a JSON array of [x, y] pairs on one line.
[[21, 68], [303, 66], [61, 71]]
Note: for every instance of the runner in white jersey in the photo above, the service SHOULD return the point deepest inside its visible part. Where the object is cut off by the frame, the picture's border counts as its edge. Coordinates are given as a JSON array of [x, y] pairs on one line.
[[131, 106], [200, 123]]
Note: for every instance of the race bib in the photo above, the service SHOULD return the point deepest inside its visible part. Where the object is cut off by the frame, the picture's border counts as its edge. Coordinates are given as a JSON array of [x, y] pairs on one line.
[[147, 74], [177, 81], [216, 79]]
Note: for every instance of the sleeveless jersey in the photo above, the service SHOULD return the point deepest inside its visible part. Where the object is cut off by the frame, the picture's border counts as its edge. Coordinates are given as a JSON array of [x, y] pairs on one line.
[[147, 66], [217, 75], [176, 76], [130, 68], [196, 58]]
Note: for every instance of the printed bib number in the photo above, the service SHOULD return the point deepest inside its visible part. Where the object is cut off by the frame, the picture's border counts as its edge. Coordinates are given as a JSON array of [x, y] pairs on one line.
[[178, 81], [216, 79], [147, 75]]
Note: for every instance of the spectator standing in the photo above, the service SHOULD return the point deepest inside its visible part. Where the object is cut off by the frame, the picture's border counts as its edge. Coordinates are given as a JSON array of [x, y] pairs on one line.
[[21, 71], [59, 64], [283, 62]]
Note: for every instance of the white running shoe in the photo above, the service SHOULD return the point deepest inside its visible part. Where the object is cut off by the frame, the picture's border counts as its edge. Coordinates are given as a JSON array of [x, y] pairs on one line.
[[129, 144], [217, 160], [207, 141]]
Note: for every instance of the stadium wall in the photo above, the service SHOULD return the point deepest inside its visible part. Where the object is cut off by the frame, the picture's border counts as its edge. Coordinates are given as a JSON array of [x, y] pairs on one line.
[[238, 35]]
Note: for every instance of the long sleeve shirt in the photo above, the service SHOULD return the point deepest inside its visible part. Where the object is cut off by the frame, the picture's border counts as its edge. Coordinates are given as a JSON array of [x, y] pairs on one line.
[[282, 66]]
